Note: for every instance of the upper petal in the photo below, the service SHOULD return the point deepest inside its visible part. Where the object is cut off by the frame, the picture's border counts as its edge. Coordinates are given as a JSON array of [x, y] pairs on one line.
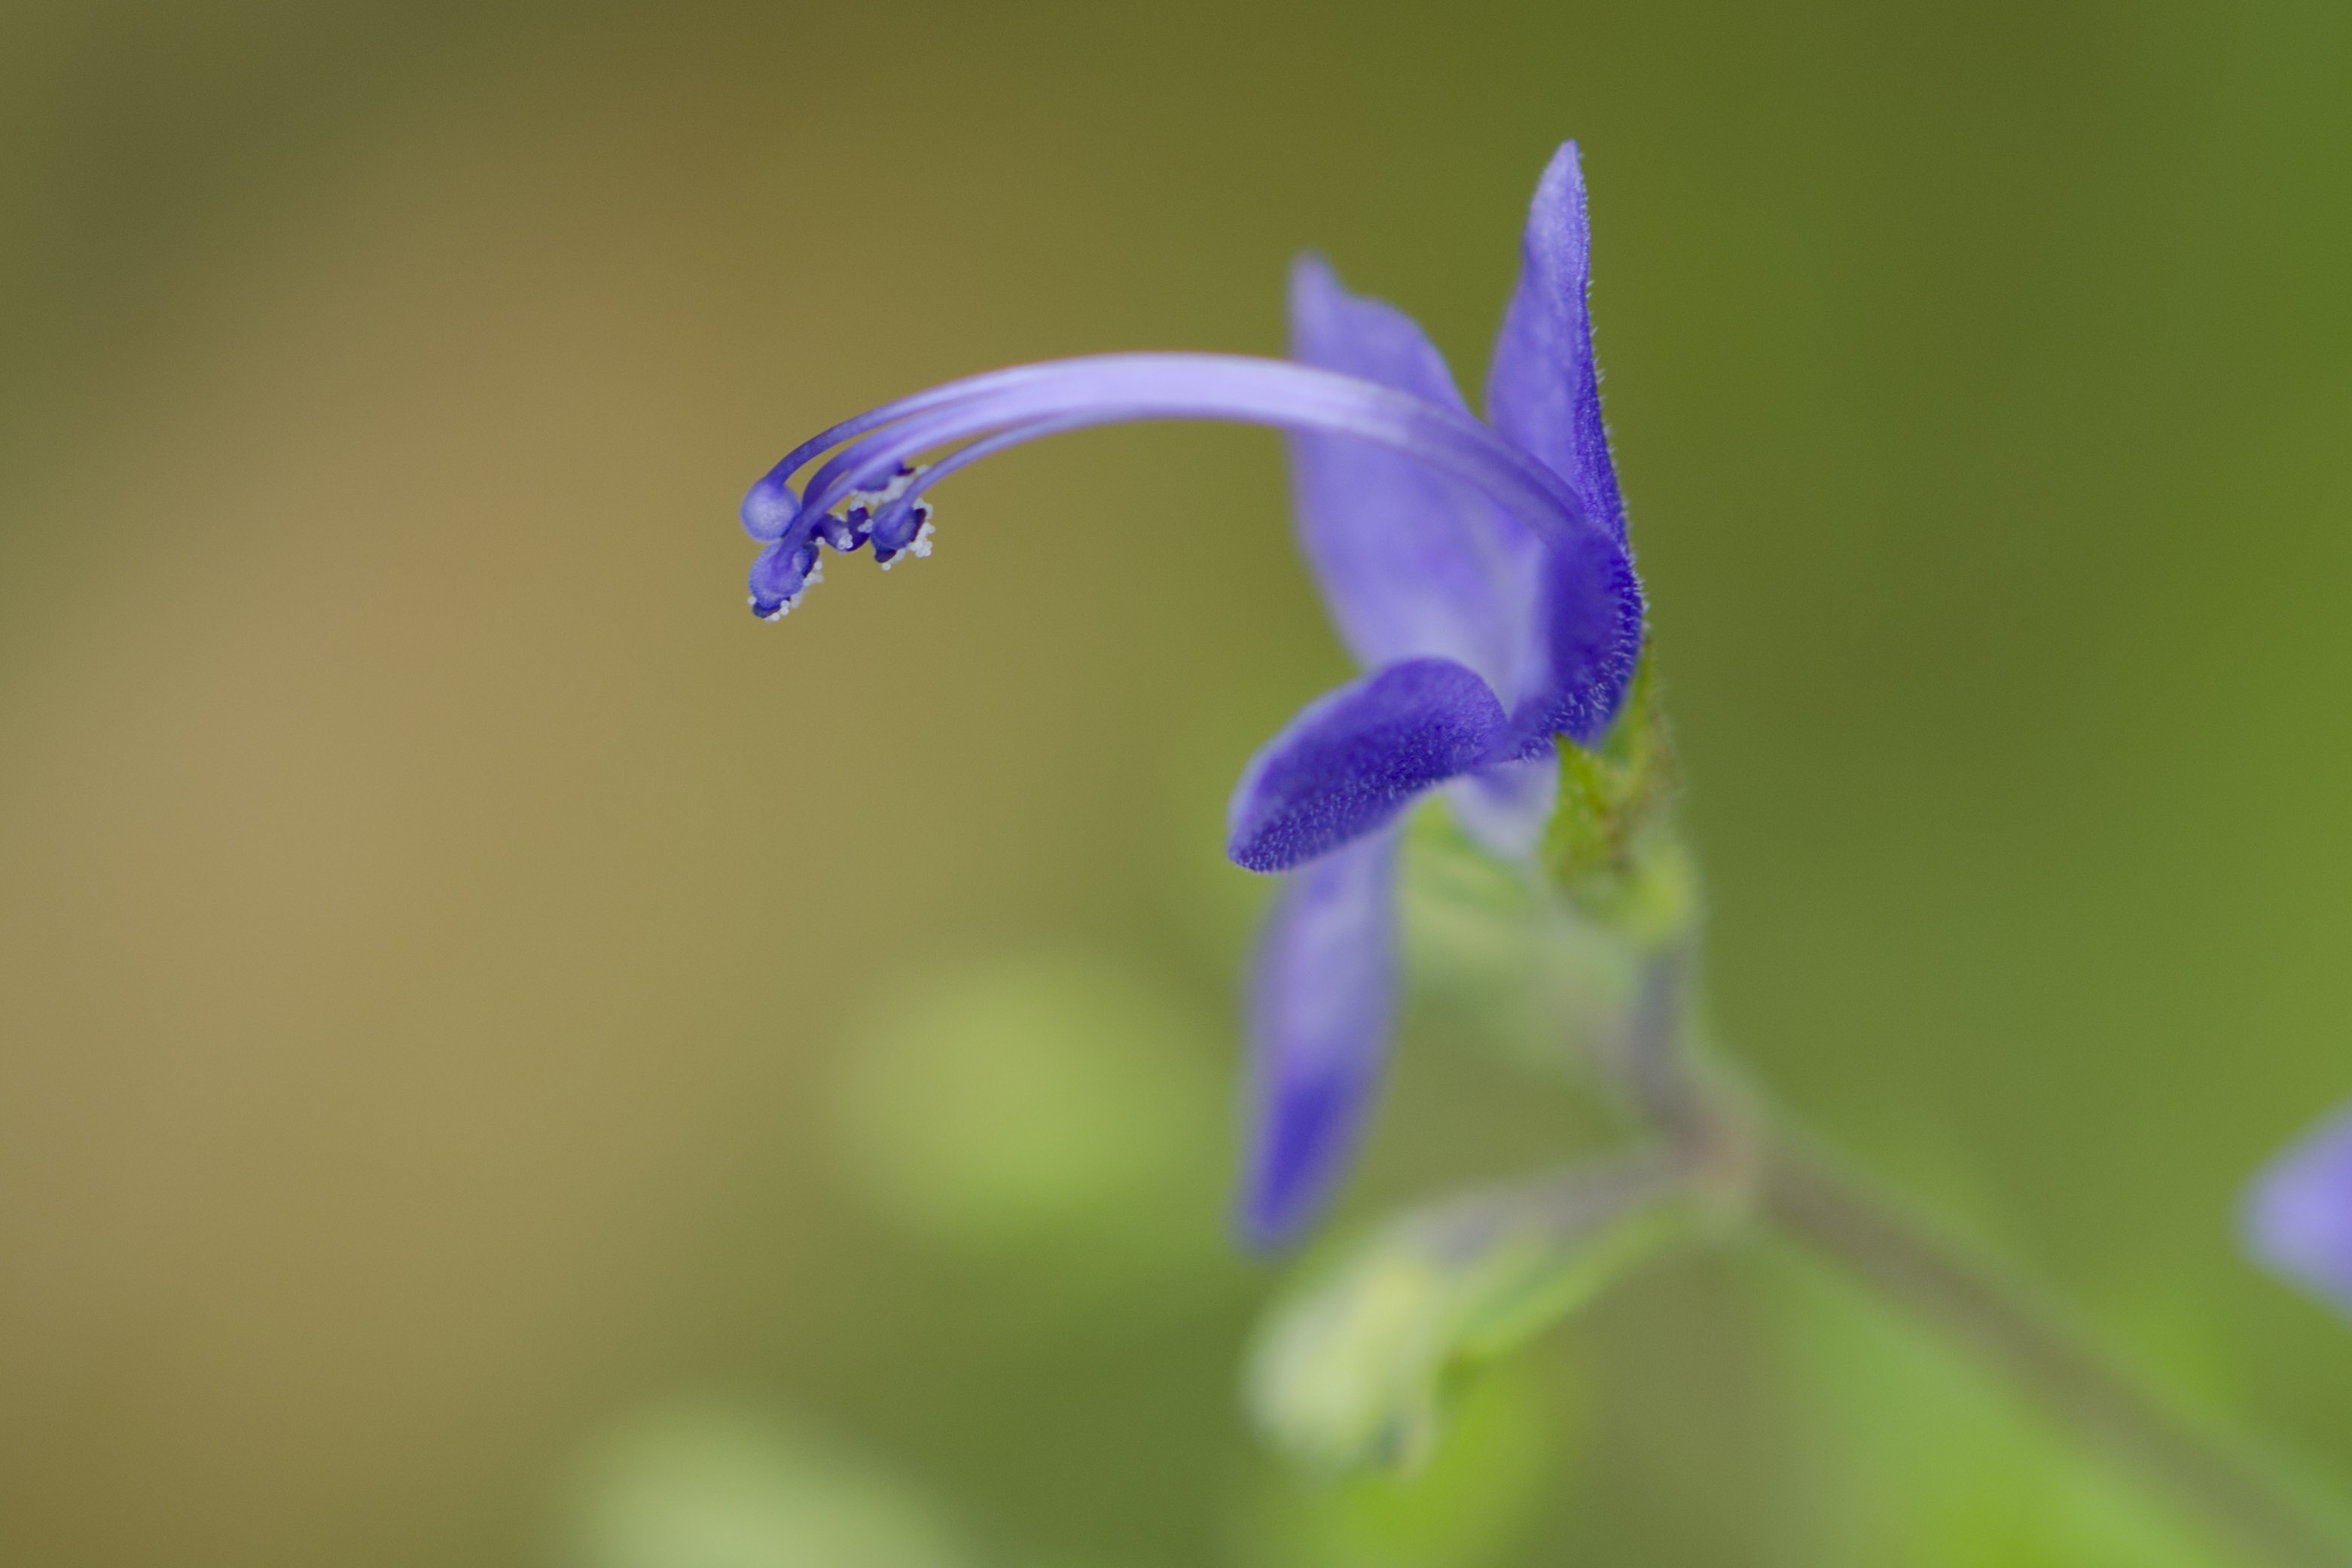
[[1543, 390], [2298, 1217], [1322, 998], [1412, 564], [1586, 643], [1354, 758]]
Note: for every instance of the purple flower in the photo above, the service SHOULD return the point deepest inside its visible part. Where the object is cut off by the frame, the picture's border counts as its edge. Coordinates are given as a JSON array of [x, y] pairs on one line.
[[2298, 1213], [1479, 572]]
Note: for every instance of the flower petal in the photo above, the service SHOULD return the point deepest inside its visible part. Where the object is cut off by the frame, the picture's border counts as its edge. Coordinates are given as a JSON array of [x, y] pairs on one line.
[[1544, 388], [1589, 630], [1322, 1003], [1412, 564], [1353, 758], [2298, 1214]]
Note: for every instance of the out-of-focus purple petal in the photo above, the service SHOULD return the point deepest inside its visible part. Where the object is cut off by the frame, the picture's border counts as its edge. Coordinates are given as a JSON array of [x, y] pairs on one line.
[[1507, 807], [1353, 758], [2298, 1213], [1412, 563], [1543, 390], [1322, 1001], [1588, 630]]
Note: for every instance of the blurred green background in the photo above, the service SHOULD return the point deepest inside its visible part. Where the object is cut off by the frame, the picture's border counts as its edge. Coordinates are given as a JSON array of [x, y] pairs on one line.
[[504, 1059]]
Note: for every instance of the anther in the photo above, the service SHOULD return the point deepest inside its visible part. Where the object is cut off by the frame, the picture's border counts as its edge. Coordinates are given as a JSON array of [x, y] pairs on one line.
[[845, 534], [780, 577]]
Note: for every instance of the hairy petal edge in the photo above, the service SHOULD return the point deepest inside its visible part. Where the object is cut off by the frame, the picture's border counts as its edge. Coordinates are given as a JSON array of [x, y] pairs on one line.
[[1356, 757]]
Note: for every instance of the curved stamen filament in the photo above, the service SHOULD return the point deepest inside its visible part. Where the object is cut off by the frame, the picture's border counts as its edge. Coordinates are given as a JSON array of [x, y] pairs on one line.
[[946, 393], [893, 516], [1005, 408]]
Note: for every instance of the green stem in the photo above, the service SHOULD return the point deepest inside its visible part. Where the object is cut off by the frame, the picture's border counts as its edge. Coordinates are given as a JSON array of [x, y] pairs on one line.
[[1739, 1146], [2018, 1336]]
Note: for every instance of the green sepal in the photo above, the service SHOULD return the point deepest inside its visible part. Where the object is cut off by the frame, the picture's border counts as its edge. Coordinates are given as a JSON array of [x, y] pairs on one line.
[[1354, 1371], [1499, 955], [1611, 847]]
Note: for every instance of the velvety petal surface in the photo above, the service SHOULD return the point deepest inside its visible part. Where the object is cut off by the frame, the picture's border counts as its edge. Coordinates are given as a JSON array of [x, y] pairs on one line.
[[1543, 390], [2298, 1216], [1588, 643], [1412, 564], [1354, 758], [1322, 1005]]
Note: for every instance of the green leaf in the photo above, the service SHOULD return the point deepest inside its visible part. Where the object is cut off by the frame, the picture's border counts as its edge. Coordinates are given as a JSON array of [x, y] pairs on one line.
[[717, 1486], [1924, 1462], [1037, 1099], [1354, 1371], [1508, 1440]]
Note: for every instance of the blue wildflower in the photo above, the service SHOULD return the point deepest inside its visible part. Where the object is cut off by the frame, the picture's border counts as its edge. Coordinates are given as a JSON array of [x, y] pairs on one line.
[[1479, 572], [2298, 1213]]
